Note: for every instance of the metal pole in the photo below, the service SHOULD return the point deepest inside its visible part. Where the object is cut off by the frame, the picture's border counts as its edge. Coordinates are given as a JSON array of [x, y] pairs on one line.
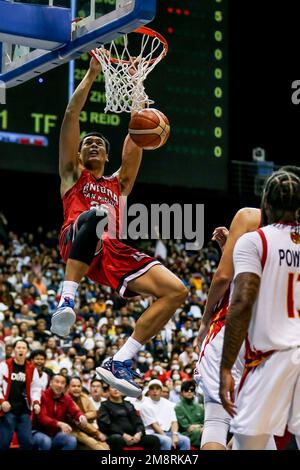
[[72, 62]]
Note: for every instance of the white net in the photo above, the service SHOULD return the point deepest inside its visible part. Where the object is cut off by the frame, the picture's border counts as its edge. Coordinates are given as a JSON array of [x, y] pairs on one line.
[[126, 72]]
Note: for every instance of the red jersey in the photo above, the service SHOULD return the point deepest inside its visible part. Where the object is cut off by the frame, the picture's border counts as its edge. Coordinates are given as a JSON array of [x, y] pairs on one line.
[[88, 193], [115, 264]]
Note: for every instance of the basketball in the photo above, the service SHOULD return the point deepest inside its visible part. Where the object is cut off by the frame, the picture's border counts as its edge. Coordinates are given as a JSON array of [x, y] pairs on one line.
[[149, 128]]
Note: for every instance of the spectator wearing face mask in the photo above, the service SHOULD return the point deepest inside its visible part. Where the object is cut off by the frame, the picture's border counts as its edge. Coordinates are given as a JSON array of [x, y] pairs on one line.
[[156, 372], [77, 367], [67, 360], [52, 303], [86, 380], [141, 363], [88, 341], [175, 392], [175, 366], [51, 362]]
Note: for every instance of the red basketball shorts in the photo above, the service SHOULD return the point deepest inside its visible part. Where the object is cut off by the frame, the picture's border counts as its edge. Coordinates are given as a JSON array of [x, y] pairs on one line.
[[115, 265]]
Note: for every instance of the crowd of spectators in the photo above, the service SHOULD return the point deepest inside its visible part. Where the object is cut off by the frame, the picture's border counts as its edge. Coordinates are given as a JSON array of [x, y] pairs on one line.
[[31, 275]]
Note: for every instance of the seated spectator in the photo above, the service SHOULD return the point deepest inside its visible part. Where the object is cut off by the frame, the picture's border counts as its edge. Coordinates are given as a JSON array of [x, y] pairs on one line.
[[44, 314], [190, 415], [186, 330], [51, 361], [8, 319], [188, 355], [86, 380], [38, 358], [25, 315], [118, 419], [20, 389], [159, 418], [2, 332], [175, 371], [14, 335], [165, 392], [64, 372], [175, 391], [105, 391], [91, 437], [24, 329], [41, 333], [141, 363], [156, 371], [51, 428], [96, 393]]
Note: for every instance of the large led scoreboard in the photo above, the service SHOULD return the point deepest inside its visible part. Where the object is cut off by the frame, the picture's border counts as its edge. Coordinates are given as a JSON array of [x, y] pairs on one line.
[[190, 86]]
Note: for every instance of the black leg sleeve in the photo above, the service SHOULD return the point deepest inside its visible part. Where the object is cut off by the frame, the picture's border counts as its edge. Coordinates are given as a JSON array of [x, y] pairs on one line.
[[86, 239]]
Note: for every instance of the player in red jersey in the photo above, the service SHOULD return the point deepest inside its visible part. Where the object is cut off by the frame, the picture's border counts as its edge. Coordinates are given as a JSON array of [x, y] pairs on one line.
[[91, 201]]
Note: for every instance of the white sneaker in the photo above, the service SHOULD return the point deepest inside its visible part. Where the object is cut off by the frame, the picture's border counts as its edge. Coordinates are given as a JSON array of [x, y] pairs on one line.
[[63, 319]]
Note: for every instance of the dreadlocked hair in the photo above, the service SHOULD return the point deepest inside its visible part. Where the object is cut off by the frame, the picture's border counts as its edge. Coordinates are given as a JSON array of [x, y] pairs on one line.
[[282, 193], [291, 169]]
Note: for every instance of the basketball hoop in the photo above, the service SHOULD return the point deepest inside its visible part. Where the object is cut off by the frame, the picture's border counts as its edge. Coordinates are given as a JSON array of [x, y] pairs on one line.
[[125, 72]]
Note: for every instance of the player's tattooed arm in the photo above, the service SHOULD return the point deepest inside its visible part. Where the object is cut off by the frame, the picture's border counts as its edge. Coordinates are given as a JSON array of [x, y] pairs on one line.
[[239, 316], [237, 323]]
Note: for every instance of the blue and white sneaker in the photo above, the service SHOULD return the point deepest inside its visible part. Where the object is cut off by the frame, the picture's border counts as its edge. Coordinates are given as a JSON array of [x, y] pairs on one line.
[[120, 376], [63, 319]]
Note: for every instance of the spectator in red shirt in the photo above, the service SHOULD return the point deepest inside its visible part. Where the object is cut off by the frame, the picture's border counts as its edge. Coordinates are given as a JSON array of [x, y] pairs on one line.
[[51, 430]]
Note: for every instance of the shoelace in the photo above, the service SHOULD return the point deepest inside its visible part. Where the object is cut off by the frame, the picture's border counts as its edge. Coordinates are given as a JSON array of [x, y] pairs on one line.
[[130, 370], [67, 303]]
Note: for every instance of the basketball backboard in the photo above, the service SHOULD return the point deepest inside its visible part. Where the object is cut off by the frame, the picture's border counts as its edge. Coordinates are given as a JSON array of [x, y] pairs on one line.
[[33, 43]]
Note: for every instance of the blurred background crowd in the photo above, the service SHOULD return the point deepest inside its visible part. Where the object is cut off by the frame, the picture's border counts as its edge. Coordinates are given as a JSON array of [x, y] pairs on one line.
[[31, 274]]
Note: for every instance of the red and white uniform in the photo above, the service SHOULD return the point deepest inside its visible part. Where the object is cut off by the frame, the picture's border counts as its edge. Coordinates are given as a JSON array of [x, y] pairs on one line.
[[116, 264], [208, 366], [269, 396]]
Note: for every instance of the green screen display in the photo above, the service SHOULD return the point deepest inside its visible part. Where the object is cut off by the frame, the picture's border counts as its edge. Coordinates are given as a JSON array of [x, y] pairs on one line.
[[189, 86]]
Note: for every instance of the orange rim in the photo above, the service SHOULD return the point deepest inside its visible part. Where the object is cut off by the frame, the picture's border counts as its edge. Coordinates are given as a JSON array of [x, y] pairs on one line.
[[149, 32]]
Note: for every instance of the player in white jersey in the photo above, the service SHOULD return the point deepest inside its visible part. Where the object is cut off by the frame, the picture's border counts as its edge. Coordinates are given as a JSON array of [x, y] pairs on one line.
[[211, 334], [266, 305]]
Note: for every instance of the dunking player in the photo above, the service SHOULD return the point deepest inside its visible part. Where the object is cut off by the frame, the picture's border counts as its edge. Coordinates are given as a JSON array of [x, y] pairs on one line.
[[265, 307], [211, 332], [89, 200]]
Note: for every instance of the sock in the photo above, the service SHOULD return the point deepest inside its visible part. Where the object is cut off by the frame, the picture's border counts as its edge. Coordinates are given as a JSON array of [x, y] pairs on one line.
[[130, 348], [69, 290]]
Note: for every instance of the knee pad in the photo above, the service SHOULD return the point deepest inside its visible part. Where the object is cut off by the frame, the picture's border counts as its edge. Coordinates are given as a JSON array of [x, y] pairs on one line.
[[216, 424], [86, 239], [91, 218]]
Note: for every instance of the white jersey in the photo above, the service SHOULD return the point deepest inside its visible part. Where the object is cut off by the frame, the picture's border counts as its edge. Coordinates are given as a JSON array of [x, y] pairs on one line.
[[273, 253]]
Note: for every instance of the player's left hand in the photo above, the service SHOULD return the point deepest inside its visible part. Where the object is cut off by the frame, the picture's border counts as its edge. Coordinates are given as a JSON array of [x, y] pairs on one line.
[[95, 66], [220, 235], [226, 391], [133, 67]]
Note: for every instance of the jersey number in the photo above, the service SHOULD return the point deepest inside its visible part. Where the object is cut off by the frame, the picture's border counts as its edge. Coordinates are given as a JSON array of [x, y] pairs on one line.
[[290, 295], [139, 256]]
